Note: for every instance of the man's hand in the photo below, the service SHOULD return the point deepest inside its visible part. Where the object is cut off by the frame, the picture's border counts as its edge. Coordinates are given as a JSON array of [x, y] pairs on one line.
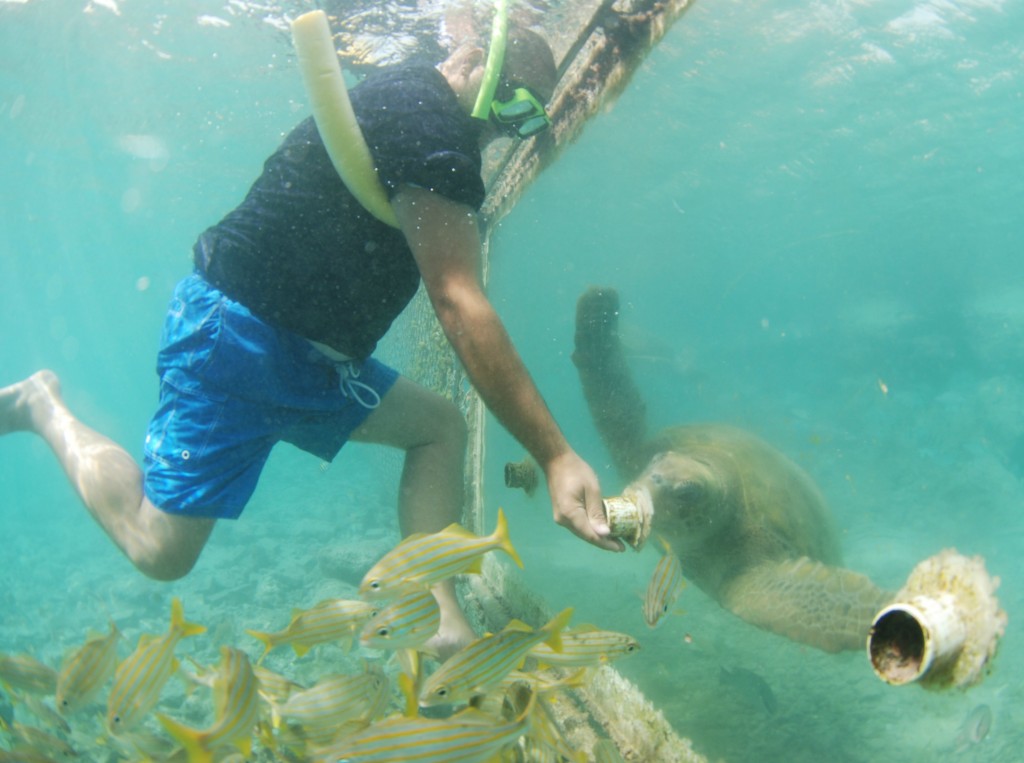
[[576, 500]]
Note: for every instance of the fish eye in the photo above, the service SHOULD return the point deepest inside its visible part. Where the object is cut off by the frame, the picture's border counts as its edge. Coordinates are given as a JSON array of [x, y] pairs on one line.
[[383, 631], [375, 584], [442, 691]]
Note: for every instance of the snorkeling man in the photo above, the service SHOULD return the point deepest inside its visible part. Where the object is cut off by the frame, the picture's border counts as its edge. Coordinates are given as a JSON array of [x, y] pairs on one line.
[[271, 338]]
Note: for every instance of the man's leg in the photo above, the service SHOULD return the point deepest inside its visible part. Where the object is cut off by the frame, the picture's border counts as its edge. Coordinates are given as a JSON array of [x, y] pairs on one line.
[[109, 482], [432, 432]]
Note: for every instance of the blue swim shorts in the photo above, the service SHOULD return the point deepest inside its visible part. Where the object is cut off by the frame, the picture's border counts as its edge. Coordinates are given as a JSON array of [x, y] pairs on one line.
[[231, 387]]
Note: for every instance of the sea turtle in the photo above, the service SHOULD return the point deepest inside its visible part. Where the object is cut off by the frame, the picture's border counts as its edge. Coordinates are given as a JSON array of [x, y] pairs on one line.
[[750, 527]]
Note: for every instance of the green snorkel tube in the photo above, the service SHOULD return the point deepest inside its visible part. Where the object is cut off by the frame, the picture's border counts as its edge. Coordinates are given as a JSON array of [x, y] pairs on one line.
[[495, 60]]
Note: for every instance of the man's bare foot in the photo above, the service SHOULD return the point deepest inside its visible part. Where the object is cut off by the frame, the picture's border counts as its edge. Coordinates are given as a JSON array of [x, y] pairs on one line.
[[453, 634], [455, 631], [24, 405]]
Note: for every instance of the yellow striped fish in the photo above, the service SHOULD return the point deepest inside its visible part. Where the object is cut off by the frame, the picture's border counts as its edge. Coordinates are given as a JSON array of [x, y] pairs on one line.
[[50, 717], [586, 646], [467, 737], [24, 756], [543, 741], [236, 711], [406, 623], [43, 742], [330, 620], [143, 745], [141, 677], [297, 745], [25, 672], [274, 687], [482, 664], [423, 559], [546, 737], [665, 586], [543, 683], [335, 700], [86, 670]]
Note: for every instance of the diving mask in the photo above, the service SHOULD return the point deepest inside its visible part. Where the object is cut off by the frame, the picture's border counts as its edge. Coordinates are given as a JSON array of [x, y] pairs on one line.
[[523, 114]]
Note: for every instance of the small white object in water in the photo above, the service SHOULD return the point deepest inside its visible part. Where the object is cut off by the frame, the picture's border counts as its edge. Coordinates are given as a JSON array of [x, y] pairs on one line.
[[144, 147], [110, 5], [214, 21]]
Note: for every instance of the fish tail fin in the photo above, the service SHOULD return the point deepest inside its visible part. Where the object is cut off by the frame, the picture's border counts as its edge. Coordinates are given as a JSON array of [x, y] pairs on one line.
[[265, 733], [580, 678], [555, 627], [268, 642], [501, 537], [244, 746], [189, 739], [178, 622]]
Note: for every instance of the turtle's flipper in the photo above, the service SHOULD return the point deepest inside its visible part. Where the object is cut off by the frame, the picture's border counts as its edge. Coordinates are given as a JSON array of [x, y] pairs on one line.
[[614, 401], [825, 607]]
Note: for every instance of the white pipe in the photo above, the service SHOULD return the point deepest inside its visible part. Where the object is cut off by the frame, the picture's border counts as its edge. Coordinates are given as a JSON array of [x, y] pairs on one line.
[[942, 628], [908, 639]]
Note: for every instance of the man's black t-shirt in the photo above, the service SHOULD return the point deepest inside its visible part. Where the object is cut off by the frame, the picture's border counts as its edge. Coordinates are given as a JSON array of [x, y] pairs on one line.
[[302, 253]]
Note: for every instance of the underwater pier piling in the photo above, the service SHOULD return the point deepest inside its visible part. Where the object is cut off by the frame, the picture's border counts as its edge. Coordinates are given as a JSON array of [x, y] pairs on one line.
[[597, 62]]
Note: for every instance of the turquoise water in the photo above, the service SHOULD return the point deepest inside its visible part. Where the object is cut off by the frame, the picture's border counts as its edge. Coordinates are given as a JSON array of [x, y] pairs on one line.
[[811, 212]]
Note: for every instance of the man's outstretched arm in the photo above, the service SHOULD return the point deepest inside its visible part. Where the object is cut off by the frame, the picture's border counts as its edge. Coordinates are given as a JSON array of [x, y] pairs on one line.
[[445, 240]]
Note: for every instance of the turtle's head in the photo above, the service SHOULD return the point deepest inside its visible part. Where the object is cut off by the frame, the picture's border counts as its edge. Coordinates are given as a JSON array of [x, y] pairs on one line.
[[688, 498]]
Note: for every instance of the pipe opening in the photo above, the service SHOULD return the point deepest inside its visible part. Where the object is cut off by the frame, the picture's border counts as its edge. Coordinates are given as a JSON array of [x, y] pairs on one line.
[[897, 646]]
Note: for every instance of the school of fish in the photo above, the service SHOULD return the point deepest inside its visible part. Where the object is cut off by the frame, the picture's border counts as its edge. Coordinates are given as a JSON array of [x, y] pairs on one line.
[[500, 688]]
